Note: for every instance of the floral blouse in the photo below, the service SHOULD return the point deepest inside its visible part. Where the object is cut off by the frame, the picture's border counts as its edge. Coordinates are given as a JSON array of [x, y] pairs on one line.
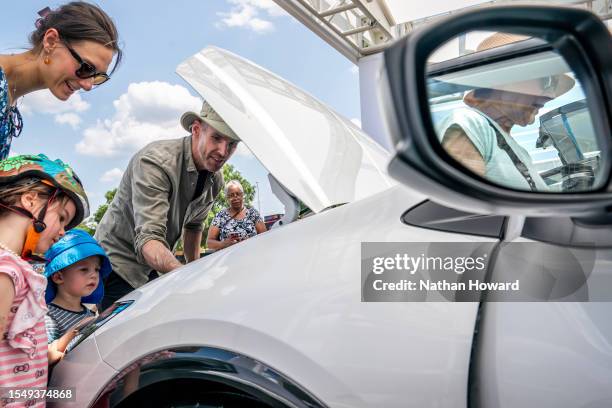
[[245, 227], [10, 119]]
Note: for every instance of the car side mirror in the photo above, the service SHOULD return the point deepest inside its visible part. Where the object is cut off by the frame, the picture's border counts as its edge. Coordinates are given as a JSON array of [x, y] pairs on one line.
[[504, 110]]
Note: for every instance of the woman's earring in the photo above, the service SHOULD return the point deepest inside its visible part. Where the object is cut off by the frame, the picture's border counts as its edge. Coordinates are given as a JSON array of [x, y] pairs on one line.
[[47, 60]]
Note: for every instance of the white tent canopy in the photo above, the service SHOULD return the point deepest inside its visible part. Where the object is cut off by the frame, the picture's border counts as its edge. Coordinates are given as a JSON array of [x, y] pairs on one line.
[[406, 11], [357, 28]]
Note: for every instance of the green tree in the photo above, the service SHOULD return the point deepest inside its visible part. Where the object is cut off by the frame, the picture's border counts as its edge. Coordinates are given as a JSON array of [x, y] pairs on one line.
[[86, 227], [90, 225]]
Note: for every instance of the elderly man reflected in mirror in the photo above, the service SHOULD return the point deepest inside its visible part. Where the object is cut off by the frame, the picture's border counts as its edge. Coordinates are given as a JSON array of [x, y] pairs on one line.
[[479, 136], [235, 223]]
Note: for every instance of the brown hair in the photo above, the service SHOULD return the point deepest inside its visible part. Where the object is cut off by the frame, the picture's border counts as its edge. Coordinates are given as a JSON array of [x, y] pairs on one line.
[[79, 21], [11, 194]]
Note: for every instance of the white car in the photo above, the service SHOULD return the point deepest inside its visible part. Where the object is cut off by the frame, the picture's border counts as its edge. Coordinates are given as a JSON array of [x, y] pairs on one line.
[[293, 317]]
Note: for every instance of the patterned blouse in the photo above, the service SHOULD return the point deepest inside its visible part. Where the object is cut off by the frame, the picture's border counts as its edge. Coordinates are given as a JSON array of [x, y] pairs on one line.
[[245, 227], [10, 119]]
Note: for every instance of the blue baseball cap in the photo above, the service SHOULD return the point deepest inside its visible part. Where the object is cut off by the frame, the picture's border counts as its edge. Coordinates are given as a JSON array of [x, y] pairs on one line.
[[75, 246]]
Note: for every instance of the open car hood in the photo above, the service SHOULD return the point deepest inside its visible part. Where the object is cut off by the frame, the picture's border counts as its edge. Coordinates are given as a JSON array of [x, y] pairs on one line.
[[319, 156]]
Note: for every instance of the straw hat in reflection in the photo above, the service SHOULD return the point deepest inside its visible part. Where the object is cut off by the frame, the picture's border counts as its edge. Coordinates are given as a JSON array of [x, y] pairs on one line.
[[561, 83]]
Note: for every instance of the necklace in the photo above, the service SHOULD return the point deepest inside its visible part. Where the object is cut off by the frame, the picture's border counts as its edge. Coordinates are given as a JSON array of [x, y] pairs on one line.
[[14, 94], [7, 249], [238, 213]]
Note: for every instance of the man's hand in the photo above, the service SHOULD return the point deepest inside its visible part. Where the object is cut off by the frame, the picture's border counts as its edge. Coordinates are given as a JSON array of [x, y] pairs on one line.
[[159, 257]]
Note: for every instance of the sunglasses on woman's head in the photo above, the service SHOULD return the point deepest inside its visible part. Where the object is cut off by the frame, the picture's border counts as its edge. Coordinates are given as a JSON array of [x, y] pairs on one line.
[[86, 70]]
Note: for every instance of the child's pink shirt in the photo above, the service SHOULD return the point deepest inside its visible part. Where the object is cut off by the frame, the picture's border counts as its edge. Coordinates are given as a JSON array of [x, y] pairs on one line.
[[23, 345]]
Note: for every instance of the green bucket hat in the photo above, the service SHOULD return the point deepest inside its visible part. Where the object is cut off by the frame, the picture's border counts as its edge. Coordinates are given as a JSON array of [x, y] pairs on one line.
[[211, 117]]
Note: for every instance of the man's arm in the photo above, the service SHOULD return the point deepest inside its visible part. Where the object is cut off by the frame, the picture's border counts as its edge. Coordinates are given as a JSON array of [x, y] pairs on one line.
[[159, 257], [150, 191], [191, 244], [459, 146]]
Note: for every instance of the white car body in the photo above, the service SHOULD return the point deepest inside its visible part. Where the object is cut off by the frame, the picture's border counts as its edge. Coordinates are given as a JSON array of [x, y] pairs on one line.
[[291, 298]]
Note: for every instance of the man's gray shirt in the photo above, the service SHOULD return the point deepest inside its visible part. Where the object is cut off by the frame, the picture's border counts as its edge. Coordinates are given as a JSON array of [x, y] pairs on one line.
[[153, 201]]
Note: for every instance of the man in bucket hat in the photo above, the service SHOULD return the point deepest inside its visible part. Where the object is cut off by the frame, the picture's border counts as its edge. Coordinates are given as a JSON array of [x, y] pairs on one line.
[[478, 135], [167, 189]]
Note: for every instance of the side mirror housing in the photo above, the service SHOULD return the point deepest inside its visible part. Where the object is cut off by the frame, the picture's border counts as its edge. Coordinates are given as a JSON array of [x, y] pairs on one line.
[[555, 84]]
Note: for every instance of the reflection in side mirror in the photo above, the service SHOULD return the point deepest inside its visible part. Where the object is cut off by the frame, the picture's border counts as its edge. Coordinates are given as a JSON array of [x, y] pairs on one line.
[[513, 112]]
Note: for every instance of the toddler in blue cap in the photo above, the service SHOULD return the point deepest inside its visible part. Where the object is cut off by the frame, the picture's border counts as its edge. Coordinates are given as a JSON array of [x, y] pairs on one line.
[[76, 267]]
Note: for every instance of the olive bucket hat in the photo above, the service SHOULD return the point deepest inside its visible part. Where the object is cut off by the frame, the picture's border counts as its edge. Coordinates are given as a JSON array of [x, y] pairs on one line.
[[208, 115]]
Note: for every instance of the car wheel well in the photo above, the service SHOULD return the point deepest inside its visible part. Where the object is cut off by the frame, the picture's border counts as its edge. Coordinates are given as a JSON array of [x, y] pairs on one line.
[[186, 391], [203, 373]]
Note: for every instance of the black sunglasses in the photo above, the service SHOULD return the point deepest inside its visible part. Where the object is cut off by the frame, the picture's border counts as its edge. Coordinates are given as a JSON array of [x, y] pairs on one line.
[[86, 70]]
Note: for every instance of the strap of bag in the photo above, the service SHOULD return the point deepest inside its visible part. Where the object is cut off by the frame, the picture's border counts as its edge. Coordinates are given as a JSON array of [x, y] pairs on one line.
[[520, 166]]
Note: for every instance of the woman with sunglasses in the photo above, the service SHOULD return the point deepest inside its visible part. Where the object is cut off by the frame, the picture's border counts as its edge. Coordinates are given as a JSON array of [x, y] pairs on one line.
[[72, 48]]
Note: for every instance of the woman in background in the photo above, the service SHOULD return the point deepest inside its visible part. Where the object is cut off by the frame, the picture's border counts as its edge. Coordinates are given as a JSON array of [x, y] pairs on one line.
[[236, 223]]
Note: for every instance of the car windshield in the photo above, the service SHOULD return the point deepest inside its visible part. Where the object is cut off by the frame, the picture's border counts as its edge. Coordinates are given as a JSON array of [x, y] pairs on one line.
[[532, 109]]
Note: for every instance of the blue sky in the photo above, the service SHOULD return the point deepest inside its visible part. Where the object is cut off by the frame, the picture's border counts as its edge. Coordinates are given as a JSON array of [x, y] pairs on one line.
[[97, 132]]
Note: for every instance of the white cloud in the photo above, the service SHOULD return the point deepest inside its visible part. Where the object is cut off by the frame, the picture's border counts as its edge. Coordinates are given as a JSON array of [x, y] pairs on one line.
[[356, 122], [251, 14], [70, 118], [245, 17], [148, 111], [112, 175], [269, 6], [91, 194], [44, 102]]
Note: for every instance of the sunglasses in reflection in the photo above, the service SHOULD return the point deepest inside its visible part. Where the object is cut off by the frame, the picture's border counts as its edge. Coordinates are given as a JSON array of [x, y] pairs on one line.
[[87, 70]]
